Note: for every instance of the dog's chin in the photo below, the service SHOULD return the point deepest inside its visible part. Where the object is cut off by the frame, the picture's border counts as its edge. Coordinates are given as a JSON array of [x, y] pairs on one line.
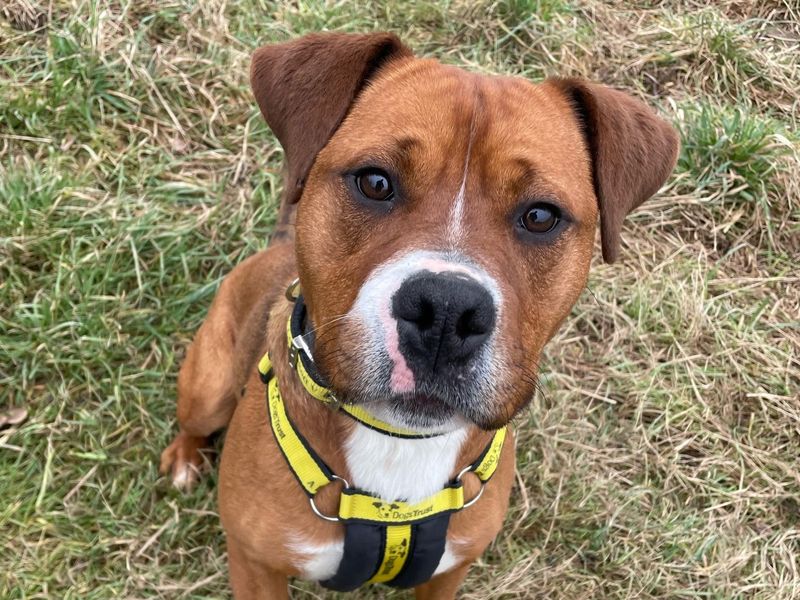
[[427, 412], [410, 411], [423, 412], [435, 406]]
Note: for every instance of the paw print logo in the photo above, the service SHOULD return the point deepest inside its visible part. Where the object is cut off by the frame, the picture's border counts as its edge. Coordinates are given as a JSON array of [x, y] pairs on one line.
[[384, 509]]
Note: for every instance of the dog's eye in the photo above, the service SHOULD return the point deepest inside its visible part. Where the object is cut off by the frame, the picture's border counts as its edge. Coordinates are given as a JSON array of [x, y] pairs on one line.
[[374, 184], [540, 218]]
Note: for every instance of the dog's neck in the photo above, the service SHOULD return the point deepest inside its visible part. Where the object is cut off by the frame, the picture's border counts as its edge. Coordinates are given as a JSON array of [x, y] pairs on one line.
[[391, 467]]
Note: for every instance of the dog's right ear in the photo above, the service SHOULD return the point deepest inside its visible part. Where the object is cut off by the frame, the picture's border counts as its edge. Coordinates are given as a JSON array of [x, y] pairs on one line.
[[633, 151], [305, 88]]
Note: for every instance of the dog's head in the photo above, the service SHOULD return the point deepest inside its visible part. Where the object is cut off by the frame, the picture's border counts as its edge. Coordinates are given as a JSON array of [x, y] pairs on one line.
[[446, 219]]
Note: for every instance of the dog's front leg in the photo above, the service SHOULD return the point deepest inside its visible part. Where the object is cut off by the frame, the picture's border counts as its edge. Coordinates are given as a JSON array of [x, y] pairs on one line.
[[254, 581], [442, 587], [221, 357]]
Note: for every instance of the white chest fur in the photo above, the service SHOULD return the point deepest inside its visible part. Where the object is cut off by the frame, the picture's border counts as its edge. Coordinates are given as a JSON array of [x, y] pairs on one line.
[[394, 469], [401, 469]]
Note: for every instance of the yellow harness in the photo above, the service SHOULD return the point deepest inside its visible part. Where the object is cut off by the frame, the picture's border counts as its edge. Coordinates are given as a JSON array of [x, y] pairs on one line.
[[386, 541]]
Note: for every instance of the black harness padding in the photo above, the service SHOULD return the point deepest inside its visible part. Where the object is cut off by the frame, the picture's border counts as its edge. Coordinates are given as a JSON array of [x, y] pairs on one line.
[[427, 546], [363, 549]]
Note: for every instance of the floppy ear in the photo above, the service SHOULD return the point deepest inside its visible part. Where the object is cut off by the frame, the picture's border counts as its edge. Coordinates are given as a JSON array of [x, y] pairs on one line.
[[305, 88], [633, 152]]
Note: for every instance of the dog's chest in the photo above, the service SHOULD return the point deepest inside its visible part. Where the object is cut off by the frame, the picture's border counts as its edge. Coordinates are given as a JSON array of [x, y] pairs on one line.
[[394, 469], [401, 469]]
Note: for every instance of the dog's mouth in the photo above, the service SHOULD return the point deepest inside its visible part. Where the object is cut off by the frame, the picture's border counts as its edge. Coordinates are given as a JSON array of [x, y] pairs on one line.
[[427, 410], [435, 405], [419, 411]]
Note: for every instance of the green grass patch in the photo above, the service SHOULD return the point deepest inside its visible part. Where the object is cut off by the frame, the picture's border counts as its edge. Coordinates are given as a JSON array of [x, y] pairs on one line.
[[731, 150]]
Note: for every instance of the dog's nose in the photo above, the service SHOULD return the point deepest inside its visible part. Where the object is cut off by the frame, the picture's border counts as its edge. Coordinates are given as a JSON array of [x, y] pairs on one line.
[[442, 319]]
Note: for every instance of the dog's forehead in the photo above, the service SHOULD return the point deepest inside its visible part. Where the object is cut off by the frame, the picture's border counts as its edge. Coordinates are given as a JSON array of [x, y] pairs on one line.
[[439, 111]]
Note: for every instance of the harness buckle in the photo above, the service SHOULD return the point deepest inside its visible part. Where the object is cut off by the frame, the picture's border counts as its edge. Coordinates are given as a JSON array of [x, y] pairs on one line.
[[322, 515], [293, 352]]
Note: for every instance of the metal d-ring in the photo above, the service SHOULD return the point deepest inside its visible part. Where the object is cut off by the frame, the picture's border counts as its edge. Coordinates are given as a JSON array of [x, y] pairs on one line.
[[317, 511], [480, 491], [292, 292]]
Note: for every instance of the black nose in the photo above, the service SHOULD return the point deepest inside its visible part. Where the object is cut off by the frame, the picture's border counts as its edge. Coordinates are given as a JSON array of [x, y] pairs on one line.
[[442, 319]]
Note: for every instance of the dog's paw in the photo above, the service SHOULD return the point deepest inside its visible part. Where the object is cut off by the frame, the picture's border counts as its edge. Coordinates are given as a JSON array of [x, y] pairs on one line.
[[184, 461]]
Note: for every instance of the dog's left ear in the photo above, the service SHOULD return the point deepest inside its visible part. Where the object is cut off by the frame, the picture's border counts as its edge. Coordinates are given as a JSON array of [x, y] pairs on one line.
[[305, 88], [633, 152]]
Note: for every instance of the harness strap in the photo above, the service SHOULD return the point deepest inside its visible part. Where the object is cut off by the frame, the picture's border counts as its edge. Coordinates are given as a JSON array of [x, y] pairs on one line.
[[395, 551], [487, 462], [306, 465], [356, 505]]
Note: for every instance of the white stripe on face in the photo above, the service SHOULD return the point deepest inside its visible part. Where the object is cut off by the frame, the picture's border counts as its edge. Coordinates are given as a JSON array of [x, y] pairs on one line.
[[455, 220]]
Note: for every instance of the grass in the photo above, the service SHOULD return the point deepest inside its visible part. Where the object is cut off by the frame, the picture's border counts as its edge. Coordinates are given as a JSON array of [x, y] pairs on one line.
[[661, 459]]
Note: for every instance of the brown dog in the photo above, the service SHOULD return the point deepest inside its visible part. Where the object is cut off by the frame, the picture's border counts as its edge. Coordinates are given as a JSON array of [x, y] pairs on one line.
[[444, 230]]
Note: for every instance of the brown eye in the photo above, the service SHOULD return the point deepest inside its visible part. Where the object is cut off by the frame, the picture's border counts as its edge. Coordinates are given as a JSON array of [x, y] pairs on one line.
[[540, 218], [374, 184]]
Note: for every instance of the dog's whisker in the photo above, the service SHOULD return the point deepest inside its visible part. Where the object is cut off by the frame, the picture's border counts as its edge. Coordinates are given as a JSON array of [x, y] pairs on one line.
[[312, 332]]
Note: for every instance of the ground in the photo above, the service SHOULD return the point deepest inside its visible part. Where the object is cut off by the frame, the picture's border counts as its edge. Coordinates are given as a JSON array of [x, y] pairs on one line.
[[660, 459]]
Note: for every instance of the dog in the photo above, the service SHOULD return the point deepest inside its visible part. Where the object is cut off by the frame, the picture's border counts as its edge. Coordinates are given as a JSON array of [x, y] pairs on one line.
[[436, 228]]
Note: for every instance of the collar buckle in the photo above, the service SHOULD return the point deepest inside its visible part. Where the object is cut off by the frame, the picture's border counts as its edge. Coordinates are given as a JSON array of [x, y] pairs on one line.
[[298, 344], [293, 352]]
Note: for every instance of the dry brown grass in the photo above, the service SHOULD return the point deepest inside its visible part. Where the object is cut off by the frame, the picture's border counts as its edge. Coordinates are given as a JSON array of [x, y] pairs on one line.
[[661, 460]]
